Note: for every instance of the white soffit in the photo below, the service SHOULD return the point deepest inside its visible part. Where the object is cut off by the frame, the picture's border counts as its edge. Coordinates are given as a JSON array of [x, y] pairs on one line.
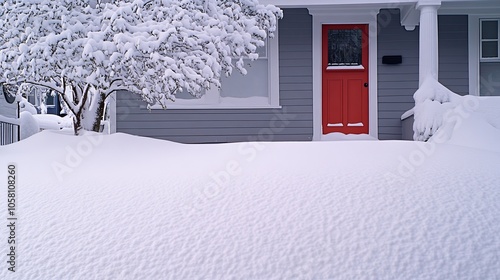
[[447, 6]]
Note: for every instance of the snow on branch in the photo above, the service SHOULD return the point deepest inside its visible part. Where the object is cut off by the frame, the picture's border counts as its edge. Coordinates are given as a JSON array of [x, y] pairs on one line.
[[154, 48]]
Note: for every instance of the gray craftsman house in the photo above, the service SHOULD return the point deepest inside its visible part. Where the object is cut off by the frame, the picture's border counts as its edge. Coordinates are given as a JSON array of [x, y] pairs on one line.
[[345, 66]]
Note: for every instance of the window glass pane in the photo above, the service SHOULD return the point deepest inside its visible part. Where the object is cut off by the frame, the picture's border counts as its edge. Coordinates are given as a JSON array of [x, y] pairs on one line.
[[31, 98], [253, 84], [344, 47], [490, 49], [50, 100], [262, 51], [184, 95], [236, 89], [489, 29], [490, 79]]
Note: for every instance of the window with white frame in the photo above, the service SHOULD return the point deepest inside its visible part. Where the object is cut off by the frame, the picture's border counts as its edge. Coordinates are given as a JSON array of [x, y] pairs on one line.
[[489, 54], [490, 34], [257, 89]]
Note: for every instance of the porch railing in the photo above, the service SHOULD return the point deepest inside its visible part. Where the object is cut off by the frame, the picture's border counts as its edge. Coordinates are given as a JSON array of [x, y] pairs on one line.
[[10, 130]]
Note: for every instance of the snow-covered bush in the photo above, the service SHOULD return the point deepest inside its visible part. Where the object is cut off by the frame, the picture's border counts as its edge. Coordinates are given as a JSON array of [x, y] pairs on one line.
[[438, 109], [432, 102], [85, 51]]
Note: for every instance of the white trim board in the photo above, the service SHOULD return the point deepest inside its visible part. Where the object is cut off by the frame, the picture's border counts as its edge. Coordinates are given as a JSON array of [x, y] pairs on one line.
[[112, 112], [473, 54], [333, 16], [301, 3]]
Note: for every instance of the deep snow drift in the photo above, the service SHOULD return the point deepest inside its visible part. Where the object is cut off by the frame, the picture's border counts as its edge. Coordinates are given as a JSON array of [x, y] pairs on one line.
[[126, 207], [438, 108]]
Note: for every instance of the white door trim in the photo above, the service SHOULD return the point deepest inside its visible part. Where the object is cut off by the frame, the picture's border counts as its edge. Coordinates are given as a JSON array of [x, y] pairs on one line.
[[344, 16]]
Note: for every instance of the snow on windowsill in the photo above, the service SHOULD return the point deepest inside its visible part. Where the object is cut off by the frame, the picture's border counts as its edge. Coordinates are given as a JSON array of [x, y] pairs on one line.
[[357, 67], [255, 102]]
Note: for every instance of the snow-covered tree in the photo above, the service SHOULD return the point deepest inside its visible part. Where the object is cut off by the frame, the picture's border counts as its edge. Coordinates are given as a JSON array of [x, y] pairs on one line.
[[85, 50]]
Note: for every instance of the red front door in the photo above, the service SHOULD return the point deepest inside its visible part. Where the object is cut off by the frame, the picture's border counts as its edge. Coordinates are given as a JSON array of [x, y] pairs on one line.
[[345, 78]]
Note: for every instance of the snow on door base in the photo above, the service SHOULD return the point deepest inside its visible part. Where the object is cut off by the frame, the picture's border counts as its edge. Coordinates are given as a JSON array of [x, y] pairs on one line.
[[337, 136]]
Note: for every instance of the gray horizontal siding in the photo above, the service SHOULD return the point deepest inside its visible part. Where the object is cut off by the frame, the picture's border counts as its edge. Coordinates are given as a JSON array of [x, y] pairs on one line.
[[454, 53], [396, 86], [233, 125], [398, 83]]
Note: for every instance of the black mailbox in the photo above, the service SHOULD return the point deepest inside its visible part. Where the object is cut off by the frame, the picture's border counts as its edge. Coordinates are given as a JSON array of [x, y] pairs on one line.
[[392, 59]]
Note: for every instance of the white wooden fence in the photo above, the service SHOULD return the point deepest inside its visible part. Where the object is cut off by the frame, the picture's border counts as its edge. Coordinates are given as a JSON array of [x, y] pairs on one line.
[[10, 130]]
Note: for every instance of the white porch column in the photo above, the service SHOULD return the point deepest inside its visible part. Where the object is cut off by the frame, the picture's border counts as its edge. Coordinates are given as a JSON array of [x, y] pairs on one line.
[[428, 46]]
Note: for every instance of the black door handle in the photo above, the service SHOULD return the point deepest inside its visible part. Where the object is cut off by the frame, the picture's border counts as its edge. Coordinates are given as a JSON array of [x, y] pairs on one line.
[[366, 84]]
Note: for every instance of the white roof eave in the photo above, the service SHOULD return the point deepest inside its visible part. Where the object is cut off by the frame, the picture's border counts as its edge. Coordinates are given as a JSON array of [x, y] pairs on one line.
[[380, 3]]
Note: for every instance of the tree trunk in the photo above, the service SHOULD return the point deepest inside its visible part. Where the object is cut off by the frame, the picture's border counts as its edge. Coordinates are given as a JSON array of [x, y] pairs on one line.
[[88, 111], [77, 124], [94, 111], [99, 114]]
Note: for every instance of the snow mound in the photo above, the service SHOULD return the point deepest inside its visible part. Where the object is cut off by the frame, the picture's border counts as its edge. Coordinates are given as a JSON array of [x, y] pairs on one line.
[[476, 132], [442, 116], [431, 89], [29, 125], [126, 207], [489, 108]]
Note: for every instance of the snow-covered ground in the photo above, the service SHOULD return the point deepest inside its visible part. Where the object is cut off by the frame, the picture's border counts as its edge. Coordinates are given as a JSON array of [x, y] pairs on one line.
[[125, 207]]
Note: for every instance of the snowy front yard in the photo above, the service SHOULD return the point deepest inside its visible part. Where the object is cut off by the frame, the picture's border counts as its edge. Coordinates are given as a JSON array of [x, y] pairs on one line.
[[126, 207]]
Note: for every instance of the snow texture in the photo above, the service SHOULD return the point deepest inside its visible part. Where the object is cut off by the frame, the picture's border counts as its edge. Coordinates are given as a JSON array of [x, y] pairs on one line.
[[476, 132], [125, 207], [29, 125], [489, 109]]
